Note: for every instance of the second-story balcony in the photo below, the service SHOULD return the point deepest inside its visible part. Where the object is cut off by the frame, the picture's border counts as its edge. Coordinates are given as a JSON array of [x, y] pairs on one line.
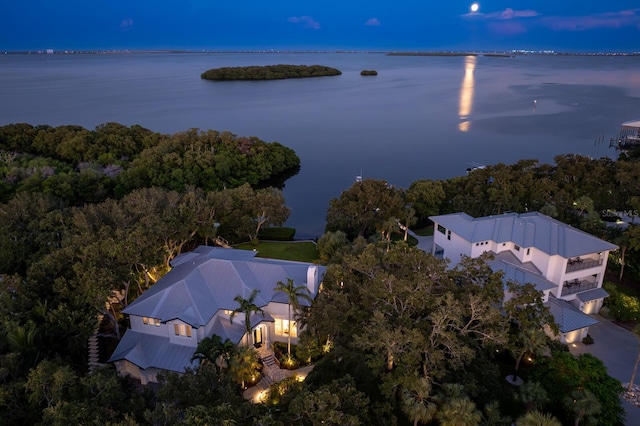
[[578, 263], [576, 286]]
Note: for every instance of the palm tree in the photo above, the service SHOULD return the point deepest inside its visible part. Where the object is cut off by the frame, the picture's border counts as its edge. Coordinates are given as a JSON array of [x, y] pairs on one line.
[[532, 395], [531, 340], [247, 307], [536, 418], [493, 417], [294, 294], [213, 351], [244, 365], [416, 402], [459, 411], [636, 330], [583, 404]]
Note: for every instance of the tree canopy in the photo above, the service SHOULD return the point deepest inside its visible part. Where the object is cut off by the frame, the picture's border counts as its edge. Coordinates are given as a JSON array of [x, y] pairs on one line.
[[269, 72]]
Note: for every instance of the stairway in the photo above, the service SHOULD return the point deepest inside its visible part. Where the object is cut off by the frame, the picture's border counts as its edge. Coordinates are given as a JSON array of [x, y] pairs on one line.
[[264, 383], [94, 352], [269, 360]]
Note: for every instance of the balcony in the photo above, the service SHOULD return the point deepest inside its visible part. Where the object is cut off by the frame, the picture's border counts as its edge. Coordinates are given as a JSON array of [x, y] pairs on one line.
[[576, 286], [578, 264]]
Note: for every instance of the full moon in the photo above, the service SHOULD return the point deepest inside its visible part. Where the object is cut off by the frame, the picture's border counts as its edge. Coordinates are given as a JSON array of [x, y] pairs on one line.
[[475, 7]]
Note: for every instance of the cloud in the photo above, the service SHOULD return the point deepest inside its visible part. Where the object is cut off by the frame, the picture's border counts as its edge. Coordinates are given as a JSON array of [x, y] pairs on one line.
[[305, 21], [126, 24], [612, 20], [509, 13], [373, 22]]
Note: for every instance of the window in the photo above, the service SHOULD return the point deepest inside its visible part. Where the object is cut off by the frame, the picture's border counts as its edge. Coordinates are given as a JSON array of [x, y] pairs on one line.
[[517, 247], [442, 229], [228, 312], [151, 321], [528, 251], [282, 327], [448, 235], [182, 330]]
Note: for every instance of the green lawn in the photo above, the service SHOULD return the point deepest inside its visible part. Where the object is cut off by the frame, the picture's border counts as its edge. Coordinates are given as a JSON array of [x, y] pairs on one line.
[[303, 251], [426, 231]]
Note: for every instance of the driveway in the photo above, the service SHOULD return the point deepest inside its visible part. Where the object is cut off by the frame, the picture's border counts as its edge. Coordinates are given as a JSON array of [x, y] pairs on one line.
[[617, 348]]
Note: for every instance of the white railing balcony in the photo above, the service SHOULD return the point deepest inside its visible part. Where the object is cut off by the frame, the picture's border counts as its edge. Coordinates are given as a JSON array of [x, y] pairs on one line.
[[577, 286], [579, 264]]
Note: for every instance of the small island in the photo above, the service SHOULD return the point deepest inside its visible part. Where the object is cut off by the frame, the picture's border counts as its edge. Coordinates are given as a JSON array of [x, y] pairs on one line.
[[269, 72], [368, 72]]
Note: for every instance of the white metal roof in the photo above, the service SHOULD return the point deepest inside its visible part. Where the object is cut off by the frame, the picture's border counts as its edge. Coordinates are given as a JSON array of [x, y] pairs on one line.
[[209, 278], [633, 123], [568, 317], [531, 229]]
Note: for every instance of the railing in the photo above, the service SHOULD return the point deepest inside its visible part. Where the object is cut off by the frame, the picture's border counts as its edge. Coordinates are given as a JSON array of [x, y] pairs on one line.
[[576, 286], [580, 264]]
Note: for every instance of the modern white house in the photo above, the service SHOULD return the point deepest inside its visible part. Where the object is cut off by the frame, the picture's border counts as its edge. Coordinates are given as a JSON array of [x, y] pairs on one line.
[[195, 300], [566, 264]]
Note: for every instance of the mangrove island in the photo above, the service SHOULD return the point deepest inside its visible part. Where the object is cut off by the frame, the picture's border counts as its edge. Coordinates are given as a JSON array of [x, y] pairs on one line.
[[269, 72]]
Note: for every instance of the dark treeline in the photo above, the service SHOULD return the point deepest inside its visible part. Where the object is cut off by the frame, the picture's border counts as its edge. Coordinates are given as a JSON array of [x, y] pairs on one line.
[[78, 165], [269, 72]]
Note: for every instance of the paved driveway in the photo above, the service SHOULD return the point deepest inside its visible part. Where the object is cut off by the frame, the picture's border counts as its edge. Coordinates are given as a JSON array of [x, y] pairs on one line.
[[617, 348]]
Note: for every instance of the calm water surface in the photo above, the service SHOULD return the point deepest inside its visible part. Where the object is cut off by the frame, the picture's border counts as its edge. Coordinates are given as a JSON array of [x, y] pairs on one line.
[[420, 118]]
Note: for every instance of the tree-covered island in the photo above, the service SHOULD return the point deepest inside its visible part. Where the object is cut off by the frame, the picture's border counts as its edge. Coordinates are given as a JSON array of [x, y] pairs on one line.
[[269, 72]]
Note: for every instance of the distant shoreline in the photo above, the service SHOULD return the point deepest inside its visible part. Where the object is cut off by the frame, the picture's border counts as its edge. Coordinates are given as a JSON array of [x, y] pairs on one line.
[[276, 51]]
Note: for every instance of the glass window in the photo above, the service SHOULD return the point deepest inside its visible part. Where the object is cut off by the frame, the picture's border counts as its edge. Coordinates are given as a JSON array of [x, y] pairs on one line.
[[182, 330], [283, 327]]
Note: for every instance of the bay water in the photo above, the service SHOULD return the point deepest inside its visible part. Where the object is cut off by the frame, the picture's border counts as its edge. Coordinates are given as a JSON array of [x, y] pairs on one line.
[[421, 117]]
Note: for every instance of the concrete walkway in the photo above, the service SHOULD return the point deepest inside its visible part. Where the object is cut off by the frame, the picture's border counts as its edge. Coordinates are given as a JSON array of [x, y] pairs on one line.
[[617, 348], [272, 374], [424, 243]]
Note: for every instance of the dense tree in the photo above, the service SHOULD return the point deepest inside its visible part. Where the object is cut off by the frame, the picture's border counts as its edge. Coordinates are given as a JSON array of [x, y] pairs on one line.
[[426, 197], [255, 209], [563, 373], [362, 209], [338, 403], [269, 72]]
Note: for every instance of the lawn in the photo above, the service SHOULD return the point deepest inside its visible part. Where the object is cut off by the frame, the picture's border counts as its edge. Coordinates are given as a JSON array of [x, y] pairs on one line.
[[302, 251], [426, 231]]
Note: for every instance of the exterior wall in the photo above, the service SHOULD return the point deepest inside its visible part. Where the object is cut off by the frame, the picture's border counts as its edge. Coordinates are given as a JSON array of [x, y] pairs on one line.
[[574, 336], [126, 368], [182, 340], [453, 247], [590, 307], [570, 337], [279, 311]]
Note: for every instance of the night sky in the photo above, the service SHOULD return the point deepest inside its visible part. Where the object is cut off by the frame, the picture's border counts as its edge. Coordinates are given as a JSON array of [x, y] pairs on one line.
[[561, 25]]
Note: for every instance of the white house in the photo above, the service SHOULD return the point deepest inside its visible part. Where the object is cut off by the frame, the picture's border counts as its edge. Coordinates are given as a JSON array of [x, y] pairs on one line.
[[567, 265], [195, 299]]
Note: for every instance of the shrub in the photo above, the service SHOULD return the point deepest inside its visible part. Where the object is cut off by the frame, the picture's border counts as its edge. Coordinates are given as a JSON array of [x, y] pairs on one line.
[[277, 234], [588, 340], [621, 306]]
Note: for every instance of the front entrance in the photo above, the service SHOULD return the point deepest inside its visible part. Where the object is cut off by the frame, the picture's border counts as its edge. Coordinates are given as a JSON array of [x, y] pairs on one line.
[[257, 336]]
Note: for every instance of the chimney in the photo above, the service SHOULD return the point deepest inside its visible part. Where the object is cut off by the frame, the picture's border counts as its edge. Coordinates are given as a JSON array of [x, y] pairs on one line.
[[312, 280]]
